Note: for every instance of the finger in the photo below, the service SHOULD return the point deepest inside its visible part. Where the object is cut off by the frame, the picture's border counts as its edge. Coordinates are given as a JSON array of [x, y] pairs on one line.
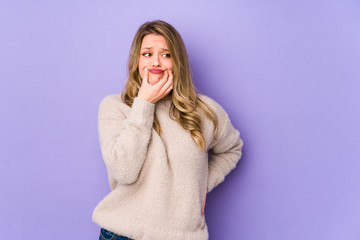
[[162, 80], [168, 90], [168, 85], [168, 82], [146, 76], [171, 75]]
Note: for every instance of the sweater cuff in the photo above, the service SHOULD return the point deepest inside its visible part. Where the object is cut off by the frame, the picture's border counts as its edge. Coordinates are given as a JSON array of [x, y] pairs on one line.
[[142, 112]]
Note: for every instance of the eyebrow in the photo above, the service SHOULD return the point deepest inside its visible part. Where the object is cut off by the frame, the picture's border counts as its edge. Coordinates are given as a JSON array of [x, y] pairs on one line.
[[151, 48]]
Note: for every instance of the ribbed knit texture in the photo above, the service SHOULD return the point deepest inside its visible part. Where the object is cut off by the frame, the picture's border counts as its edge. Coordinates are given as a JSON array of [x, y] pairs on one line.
[[159, 183]]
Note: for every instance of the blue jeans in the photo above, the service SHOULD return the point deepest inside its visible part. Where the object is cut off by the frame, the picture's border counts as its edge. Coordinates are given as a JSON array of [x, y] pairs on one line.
[[107, 235]]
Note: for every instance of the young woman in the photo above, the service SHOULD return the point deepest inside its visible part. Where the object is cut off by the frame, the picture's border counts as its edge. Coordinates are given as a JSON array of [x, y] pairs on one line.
[[165, 146]]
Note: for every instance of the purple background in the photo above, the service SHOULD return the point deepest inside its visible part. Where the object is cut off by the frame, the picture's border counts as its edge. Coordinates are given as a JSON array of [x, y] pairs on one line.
[[288, 74]]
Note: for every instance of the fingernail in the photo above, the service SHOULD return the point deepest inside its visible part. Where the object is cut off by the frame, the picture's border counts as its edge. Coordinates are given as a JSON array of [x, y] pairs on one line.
[[145, 69]]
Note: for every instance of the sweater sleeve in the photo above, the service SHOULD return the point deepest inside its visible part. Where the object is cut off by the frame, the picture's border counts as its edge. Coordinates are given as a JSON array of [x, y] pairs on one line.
[[124, 141], [225, 152]]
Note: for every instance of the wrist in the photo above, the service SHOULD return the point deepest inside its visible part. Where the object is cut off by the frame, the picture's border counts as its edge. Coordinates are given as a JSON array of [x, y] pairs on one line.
[[144, 98]]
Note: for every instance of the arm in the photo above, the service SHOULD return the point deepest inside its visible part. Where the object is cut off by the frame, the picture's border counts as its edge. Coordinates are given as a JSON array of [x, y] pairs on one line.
[[225, 152], [124, 141]]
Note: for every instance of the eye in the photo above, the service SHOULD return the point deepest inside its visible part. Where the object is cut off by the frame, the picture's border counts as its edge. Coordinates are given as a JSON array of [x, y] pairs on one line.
[[167, 55], [146, 54]]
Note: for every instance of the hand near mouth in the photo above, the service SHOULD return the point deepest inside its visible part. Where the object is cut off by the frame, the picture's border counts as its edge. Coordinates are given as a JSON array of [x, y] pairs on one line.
[[155, 74], [154, 93]]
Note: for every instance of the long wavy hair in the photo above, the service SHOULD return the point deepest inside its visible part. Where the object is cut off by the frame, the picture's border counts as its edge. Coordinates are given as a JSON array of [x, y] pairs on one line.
[[185, 104]]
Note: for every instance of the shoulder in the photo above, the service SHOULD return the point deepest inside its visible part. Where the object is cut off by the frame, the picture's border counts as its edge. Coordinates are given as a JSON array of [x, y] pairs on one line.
[[112, 99], [112, 103]]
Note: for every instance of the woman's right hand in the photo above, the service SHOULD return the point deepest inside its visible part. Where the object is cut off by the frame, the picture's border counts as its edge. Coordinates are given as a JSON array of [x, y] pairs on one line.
[[154, 93]]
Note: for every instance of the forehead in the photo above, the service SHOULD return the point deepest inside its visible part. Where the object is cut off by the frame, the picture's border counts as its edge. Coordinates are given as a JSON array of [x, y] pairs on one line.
[[153, 40]]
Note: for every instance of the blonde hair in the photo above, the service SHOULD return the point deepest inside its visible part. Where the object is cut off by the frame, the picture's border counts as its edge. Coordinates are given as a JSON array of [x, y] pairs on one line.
[[185, 102]]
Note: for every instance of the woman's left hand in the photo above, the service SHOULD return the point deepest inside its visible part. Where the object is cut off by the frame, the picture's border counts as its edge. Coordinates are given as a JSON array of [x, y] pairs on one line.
[[203, 209]]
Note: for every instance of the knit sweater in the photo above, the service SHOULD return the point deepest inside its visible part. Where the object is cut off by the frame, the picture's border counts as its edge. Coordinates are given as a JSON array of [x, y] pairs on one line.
[[159, 182]]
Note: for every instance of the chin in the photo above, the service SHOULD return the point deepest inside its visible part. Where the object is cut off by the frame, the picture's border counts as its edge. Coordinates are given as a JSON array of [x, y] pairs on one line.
[[153, 82], [154, 79]]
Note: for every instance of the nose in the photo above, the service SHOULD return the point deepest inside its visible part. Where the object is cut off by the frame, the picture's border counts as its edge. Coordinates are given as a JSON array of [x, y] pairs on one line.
[[156, 62]]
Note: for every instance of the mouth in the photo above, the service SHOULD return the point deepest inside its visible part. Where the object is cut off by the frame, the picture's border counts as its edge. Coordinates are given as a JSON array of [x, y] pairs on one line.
[[156, 70]]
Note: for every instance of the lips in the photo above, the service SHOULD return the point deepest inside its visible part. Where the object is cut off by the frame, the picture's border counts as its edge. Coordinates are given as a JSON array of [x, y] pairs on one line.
[[156, 70]]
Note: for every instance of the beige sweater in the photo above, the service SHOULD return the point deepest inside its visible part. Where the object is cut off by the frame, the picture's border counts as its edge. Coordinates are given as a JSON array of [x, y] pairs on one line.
[[159, 183]]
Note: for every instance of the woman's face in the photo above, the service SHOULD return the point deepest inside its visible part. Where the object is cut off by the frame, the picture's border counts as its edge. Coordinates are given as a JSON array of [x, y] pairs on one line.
[[155, 56]]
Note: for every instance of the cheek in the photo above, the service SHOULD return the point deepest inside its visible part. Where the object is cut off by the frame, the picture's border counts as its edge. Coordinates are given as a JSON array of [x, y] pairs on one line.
[[141, 72], [168, 64], [141, 61], [141, 65]]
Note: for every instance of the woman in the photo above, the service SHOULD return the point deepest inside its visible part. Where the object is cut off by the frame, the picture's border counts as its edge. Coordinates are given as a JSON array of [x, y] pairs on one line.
[[164, 145]]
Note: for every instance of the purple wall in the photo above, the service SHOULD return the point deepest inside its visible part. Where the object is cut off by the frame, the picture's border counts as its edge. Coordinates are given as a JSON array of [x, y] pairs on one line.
[[287, 73]]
